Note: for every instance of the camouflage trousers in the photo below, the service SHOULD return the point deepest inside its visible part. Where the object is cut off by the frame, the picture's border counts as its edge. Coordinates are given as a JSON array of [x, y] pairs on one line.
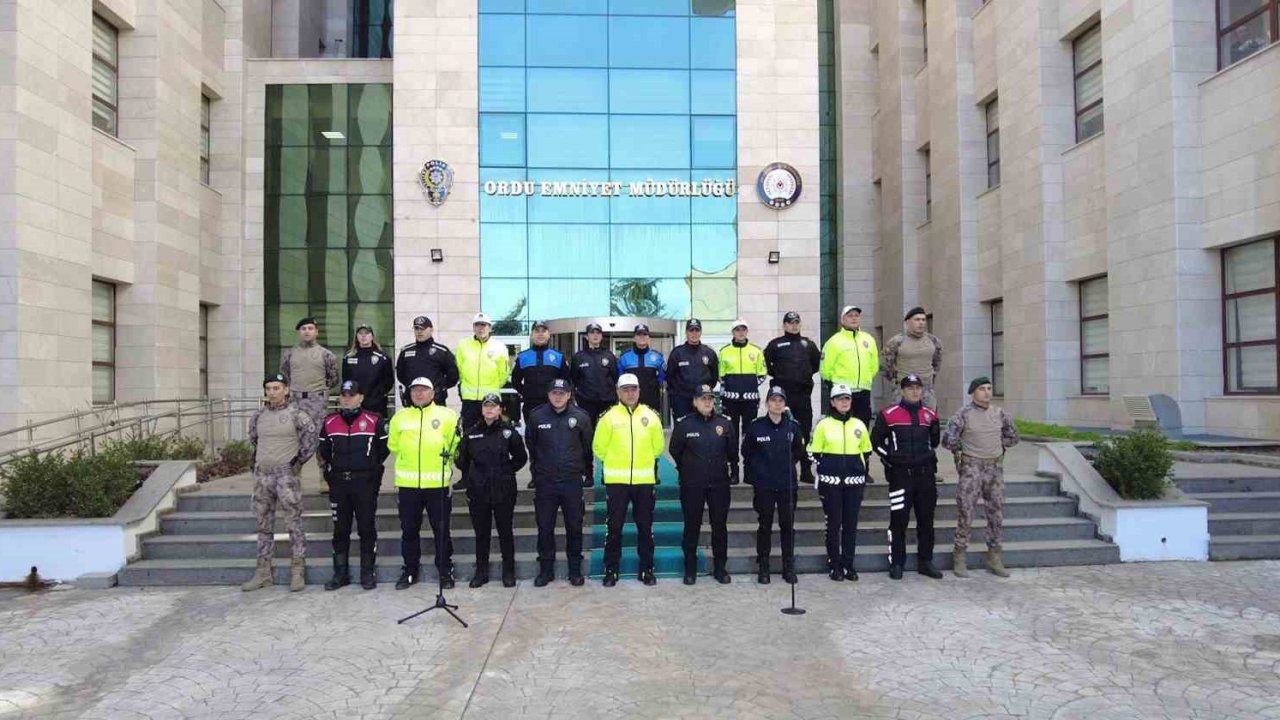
[[278, 488], [980, 479], [313, 406], [928, 399]]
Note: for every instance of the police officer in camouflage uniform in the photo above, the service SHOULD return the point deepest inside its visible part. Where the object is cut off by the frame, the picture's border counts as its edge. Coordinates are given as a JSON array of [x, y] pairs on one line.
[[914, 351], [978, 436], [310, 370], [283, 438]]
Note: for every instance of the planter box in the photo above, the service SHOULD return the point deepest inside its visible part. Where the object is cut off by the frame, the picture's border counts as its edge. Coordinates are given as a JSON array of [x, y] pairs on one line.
[[67, 548], [1175, 527]]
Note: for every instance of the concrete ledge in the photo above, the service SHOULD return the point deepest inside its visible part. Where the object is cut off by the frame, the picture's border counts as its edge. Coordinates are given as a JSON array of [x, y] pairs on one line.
[[71, 548], [1175, 527], [97, 581]]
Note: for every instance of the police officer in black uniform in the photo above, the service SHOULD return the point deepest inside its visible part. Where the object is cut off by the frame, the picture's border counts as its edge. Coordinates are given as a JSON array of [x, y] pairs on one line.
[[559, 438], [792, 360], [425, 357], [535, 368], [594, 374], [490, 454], [704, 447], [771, 449], [690, 366], [647, 365], [370, 368]]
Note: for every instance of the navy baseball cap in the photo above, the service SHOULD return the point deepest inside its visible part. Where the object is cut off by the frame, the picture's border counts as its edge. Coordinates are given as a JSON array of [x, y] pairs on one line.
[[539, 324], [792, 316], [422, 321], [559, 385], [364, 326], [491, 399], [912, 379], [275, 377], [594, 327], [350, 387], [642, 329], [705, 390], [694, 324], [776, 391]]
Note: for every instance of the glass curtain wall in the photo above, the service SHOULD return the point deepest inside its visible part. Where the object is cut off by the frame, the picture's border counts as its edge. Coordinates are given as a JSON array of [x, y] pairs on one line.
[[830, 260], [327, 223], [622, 91]]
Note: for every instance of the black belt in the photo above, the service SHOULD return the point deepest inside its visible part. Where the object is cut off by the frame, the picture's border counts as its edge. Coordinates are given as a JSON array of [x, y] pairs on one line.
[[305, 395], [349, 474]]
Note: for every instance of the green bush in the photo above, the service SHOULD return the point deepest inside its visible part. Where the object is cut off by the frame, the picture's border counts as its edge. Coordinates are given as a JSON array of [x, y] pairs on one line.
[[154, 447], [1031, 428], [234, 458], [1137, 465], [77, 485]]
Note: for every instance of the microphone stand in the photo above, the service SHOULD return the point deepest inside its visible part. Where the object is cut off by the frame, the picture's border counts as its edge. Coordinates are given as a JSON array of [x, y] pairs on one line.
[[441, 603], [795, 500]]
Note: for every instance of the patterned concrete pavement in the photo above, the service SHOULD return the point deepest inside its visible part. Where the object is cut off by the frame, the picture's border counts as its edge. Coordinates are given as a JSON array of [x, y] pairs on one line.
[[1149, 641]]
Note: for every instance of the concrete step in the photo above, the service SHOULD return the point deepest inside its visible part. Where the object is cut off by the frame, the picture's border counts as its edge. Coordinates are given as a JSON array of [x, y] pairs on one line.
[[173, 547], [1244, 523], [809, 559], [1244, 547], [1194, 485], [1241, 501], [808, 510], [215, 501]]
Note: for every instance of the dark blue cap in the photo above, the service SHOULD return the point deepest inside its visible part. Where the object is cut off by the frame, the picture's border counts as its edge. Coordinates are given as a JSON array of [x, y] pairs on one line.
[[559, 384], [694, 324], [912, 379], [350, 387], [642, 328]]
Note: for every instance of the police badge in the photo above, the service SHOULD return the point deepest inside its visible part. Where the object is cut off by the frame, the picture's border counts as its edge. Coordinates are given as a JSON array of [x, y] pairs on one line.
[[706, 360], [435, 424], [644, 421], [573, 422], [604, 361], [857, 433], [374, 359], [436, 178], [719, 430], [506, 434]]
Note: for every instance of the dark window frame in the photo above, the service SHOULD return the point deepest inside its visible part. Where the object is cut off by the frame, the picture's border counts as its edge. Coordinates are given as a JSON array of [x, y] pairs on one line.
[[997, 389], [112, 325], [1227, 347], [924, 29], [1273, 27], [1078, 72], [928, 185], [203, 332], [1084, 357], [992, 132], [206, 124], [112, 64]]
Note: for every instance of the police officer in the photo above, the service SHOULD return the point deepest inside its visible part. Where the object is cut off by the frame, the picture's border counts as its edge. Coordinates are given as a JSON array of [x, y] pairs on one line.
[[489, 456], [647, 365], [851, 358], [905, 437], [559, 437], [424, 437], [741, 372], [629, 441], [594, 373], [704, 447], [283, 439], [772, 445], [535, 368], [353, 446], [483, 367], [689, 367], [914, 351], [370, 368], [424, 357], [311, 369], [791, 360], [841, 446]]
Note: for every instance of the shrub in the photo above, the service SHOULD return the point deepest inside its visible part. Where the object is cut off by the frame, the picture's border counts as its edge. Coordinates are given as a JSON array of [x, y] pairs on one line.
[[77, 485], [1137, 465], [1031, 428], [234, 458], [154, 447]]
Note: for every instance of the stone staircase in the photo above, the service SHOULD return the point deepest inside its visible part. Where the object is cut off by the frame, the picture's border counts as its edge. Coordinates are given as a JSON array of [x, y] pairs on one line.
[[1244, 507], [209, 539]]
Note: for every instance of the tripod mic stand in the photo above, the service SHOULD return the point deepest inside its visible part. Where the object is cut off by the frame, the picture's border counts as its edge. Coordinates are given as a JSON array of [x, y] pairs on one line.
[[792, 609], [441, 542]]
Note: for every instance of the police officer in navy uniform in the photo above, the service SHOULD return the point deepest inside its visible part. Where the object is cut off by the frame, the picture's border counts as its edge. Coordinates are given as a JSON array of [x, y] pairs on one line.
[[424, 357], [704, 447], [594, 372], [771, 448], [365, 363], [490, 454], [792, 360], [647, 365], [559, 436], [535, 368], [689, 367]]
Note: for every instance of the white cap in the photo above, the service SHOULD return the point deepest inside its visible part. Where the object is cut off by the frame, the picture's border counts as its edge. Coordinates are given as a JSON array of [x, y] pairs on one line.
[[740, 323], [628, 380], [840, 389], [845, 310], [481, 318], [424, 382]]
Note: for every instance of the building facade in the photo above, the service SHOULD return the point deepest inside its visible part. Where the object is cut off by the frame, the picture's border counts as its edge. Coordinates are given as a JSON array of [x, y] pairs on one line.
[[1084, 194]]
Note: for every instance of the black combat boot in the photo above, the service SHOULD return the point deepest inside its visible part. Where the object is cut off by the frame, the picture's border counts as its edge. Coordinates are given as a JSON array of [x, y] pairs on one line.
[[575, 574], [408, 576], [546, 573], [690, 569], [508, 572], [368, 571], [763, 576], [341, 573]]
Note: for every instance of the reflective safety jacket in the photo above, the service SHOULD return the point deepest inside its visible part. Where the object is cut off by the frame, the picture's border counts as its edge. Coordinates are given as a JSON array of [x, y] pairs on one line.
[[852, 358], [840, 445], [629, 442], [423, 440], [741, 370], [482, 367]]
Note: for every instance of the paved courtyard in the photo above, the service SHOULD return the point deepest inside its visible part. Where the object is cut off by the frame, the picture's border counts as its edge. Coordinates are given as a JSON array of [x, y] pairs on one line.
[[1153, 641]]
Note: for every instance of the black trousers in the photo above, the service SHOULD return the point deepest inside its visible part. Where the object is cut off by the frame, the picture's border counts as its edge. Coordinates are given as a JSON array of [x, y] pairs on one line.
[[740, 413], [642, 500], [377, 404], [911, 489], [800, 401], [470, 414], [716, 499], [594, 408], [565, 498], [841, 504], [862, 407], [766, 502], [354, 495], [438, 504], [680, 406], [484, 516]]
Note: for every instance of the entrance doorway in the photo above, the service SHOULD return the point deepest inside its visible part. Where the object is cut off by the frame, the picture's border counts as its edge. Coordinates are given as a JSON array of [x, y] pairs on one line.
[[568, 335]]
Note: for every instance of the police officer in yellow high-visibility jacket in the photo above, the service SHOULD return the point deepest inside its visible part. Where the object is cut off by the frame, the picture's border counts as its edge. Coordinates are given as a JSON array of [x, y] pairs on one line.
[[841, 445], [483, 368], [424, 438], [629, 440], [851, 358], [741, 372]]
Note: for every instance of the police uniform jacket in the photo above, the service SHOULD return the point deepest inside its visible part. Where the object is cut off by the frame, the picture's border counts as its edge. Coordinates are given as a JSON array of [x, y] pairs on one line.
[[489, 457], [905, 436], [703, 449], [840, 445], [372, 369], [690, 366], [770, 452], [535, 368], [355, 446], [650, 369], [431, 360], [792, 359], [594, 374], [559, 444]]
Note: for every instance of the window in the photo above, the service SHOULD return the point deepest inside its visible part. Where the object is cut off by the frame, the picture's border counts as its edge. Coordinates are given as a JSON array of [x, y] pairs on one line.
[[993, 143], [106, 74], [104, 342], [1095, 354], [1087, 61], [1245, 27], [928, 186], [924, 29], [1249, 318], [204, 350], [997, 347], [371, 29], [204, 138]]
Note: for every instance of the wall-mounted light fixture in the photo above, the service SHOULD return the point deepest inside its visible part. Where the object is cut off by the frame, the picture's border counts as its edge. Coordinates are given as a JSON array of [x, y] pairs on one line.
[[437, 255], [774, 257]]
